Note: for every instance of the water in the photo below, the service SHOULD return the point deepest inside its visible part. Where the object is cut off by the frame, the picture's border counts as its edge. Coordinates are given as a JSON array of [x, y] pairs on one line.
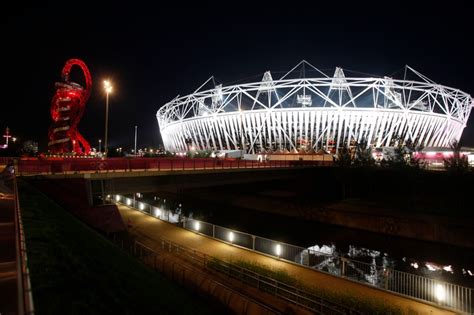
[[437, 261]]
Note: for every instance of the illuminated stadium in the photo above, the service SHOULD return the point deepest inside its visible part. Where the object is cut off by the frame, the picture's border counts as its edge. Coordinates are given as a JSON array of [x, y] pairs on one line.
[[315, 110]]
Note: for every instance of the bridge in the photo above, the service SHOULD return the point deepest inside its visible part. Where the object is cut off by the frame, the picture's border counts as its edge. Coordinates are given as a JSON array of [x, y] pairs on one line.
[[129, 175], [67, 166]]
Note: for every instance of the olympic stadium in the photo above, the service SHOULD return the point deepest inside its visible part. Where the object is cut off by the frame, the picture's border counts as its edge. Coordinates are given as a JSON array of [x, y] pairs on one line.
[[319, 111]]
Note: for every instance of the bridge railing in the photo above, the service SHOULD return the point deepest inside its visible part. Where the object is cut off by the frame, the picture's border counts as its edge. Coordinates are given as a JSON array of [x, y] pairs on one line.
[[4, 160], [453, 296], [71, 165]]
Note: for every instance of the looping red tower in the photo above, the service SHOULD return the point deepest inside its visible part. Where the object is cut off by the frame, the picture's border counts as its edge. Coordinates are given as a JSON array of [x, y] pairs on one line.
[[67, 108]]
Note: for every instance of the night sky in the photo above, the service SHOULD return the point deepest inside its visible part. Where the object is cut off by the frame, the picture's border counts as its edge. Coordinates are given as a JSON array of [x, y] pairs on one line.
[[153, 52]]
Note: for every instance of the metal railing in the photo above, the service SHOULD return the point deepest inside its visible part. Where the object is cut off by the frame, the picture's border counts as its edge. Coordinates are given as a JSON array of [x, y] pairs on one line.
[[281, 290], [25, 297], [94, 165], [437, 292], [149, 257], [6, 159]]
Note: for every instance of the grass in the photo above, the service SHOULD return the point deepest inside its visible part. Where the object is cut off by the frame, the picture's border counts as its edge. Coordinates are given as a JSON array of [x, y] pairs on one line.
[[363, 305], [75, 270]]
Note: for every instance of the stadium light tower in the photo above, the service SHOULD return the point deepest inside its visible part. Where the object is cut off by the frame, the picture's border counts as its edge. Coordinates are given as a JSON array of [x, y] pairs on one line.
[[108, 90]]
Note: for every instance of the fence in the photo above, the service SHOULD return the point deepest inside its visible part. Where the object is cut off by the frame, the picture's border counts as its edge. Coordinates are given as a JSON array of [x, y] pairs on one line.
[[267, 284], [426, 289], [5, 160], [25, 298], [76, 165]]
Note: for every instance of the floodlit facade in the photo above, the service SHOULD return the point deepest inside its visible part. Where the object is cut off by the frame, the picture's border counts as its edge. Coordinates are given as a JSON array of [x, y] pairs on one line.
[[315, 111]]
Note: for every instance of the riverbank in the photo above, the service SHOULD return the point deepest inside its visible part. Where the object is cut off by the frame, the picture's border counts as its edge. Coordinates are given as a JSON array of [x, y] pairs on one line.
[[74, 270]]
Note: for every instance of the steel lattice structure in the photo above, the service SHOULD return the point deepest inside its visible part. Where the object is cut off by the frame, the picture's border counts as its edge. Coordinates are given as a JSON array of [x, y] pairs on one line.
[[67, 107], [309, 114]]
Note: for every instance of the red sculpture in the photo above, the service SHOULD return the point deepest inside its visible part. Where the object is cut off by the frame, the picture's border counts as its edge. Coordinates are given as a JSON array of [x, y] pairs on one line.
[[67, 108]]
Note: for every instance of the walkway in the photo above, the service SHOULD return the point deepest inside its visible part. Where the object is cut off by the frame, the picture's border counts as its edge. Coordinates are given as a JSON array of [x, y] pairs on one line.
[[149, 230]]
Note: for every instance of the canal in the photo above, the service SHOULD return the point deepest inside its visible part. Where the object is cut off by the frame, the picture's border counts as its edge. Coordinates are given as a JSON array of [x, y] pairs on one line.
[[434, 260]]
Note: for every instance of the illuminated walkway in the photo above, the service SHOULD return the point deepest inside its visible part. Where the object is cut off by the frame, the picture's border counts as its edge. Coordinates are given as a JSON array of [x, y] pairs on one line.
[[149, 230]]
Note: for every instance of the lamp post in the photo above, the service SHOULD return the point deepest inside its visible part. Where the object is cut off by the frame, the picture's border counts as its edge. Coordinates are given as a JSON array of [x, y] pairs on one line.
[[135, 151], [108, 90], [100, 145]]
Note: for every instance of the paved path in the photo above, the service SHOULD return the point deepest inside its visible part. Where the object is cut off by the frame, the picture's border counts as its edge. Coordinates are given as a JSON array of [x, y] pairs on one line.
[[149, 230]]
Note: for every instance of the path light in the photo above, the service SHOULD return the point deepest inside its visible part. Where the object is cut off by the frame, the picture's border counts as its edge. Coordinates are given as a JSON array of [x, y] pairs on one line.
[[141, 206], [440, 293], [231, 237], [129, 201], [278, 250], [197, 225], [157, 212], [117, 198]]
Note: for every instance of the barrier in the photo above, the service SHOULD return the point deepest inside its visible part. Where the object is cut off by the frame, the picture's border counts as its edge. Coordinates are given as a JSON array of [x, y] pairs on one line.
[[25, 297], [267, 284], [456, 297], [93, 165]]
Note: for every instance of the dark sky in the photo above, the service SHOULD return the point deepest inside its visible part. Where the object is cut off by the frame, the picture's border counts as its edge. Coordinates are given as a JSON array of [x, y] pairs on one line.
[[155, 51]]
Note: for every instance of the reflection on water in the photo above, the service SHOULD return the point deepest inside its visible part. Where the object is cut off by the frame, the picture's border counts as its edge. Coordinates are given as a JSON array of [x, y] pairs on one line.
[[333, 242], [376, 261]]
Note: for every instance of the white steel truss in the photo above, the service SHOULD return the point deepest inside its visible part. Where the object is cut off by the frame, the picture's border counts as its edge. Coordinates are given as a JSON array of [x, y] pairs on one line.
[[309, 114]]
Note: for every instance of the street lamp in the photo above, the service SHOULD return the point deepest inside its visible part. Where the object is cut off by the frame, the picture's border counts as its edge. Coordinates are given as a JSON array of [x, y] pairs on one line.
[[108, 90], [100, 145], [135, 150]]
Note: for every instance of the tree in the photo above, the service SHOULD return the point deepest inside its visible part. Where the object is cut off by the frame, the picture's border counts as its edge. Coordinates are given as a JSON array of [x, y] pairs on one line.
[[343, 160], [363, 155], [401, 155], [457, 163], [344, 157]]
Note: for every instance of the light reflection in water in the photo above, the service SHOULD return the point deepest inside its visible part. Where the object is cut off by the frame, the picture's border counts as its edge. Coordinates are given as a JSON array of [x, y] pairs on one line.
[[374, 262], [327, 257]]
